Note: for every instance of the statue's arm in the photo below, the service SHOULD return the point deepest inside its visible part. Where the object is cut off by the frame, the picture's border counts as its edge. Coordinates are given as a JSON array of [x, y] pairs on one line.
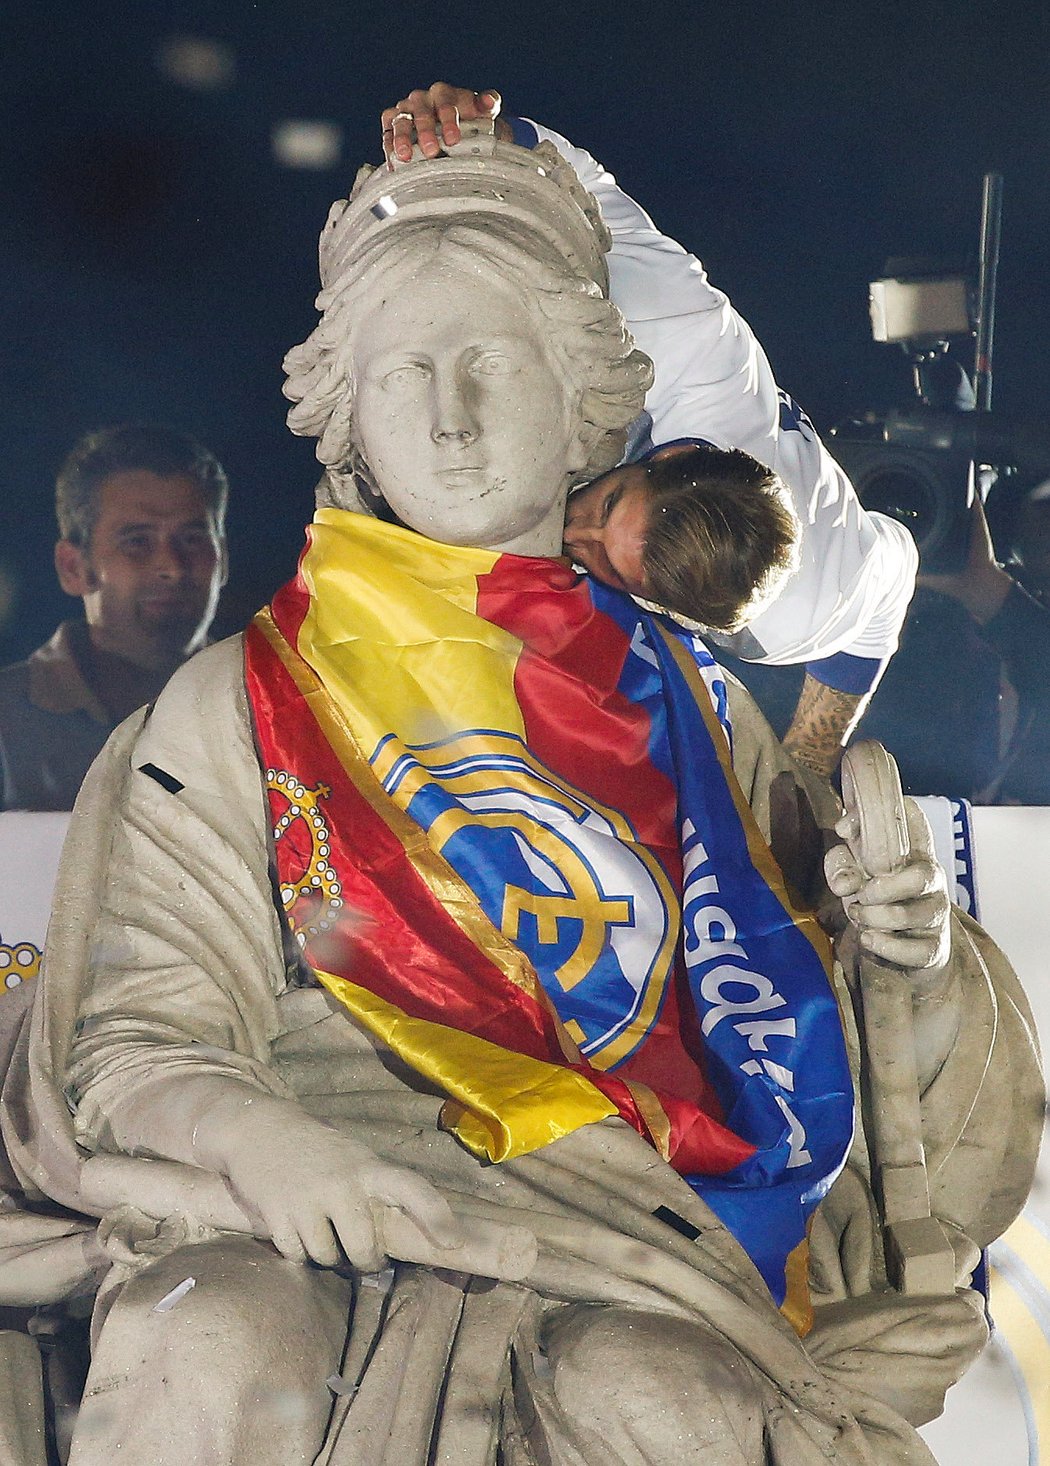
[[905, 918], [169, 1054], [181, 967], [975, 1049]]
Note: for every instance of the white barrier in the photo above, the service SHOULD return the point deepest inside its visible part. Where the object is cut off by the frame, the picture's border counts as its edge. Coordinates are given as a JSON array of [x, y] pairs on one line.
[[30, 845]]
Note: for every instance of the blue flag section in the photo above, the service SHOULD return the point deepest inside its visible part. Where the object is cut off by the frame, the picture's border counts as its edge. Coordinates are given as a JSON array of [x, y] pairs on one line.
[[769, 1016]]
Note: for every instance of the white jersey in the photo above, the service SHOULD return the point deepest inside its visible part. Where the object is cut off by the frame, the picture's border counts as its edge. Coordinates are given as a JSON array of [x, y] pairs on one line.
[[713, 381]]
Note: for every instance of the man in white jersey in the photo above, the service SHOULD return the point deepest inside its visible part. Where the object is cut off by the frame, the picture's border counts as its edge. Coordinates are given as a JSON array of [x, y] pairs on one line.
[[842, 610]]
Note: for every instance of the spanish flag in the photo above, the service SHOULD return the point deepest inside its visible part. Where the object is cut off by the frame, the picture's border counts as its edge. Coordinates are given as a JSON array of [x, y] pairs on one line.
[[510, 842]]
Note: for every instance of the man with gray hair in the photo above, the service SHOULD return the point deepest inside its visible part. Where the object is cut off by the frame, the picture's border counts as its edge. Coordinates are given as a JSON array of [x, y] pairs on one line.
[[142, 542]]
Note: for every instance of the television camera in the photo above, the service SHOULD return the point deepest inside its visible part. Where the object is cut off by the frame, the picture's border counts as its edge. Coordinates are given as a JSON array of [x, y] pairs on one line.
[[924, 463]]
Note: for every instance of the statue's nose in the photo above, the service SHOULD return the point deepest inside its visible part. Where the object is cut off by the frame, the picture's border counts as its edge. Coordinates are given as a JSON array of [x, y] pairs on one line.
[[454, 422]]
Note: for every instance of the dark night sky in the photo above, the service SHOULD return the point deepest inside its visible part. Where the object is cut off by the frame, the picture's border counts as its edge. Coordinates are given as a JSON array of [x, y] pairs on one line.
[[155, 262]]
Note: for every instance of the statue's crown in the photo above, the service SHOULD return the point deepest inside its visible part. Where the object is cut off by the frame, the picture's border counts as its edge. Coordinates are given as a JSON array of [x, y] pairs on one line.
[[478, 176]]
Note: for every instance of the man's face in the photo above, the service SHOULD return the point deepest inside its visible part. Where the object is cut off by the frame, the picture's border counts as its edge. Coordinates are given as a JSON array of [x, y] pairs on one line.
[[606, 525], [151, 576], [466, 424]]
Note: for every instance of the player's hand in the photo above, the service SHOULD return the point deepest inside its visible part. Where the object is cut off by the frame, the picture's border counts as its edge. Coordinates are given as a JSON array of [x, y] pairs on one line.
[[320, 1195], [431, 117], [904, 918]]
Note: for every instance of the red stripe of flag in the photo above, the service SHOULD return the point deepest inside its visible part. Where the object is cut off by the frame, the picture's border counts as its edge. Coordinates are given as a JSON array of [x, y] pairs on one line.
[[443, 976]]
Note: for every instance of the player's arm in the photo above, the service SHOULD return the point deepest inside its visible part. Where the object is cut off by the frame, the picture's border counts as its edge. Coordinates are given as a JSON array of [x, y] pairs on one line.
[[843, 611], [821, 725]]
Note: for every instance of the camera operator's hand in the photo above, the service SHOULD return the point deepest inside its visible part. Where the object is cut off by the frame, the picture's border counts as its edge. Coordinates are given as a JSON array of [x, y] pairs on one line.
[[432, 116], [982, 585]]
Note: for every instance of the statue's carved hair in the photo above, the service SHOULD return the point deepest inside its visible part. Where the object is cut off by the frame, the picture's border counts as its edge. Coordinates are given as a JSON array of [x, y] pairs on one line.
[[722, 536], [583, 330]]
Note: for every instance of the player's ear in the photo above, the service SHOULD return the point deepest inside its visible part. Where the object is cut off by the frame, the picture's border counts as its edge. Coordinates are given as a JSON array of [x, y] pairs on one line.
[[74, 573]]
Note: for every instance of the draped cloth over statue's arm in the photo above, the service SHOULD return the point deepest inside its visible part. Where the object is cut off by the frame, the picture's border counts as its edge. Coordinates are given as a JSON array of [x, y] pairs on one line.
[[164, 951]]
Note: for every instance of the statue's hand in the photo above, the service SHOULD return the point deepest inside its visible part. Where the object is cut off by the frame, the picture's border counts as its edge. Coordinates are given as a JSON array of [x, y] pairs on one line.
[[903, 917], [320, 1195], [439, 109]]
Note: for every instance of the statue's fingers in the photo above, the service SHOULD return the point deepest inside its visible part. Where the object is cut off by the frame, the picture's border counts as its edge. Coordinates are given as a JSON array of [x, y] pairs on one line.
[[917, 878], [353, 1222], [396, 1187], [318, 1238], [921, 915], [842, 873], [285, 1237], [920, 835], [903, 951], [847, 826]]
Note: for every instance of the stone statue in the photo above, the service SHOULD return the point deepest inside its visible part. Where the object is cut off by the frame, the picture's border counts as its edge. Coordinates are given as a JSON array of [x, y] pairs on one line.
[[395, 978]]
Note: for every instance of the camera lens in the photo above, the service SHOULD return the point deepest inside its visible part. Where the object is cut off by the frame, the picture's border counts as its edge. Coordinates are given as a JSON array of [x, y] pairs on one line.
[[905, 495]]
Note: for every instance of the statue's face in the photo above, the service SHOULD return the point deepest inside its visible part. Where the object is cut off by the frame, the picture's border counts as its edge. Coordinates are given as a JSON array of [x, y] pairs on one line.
[[468, 427]]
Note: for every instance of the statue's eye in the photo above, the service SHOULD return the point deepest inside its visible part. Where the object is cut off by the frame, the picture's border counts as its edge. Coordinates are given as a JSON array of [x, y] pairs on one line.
[[492, 364], [409, 374]]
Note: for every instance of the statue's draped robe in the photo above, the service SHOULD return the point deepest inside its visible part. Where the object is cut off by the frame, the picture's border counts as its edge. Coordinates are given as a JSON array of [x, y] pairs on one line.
[[166, 953]]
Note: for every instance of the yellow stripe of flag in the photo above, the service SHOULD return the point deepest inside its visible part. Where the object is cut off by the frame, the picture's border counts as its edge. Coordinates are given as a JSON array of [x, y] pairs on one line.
[[434, 669], [507, 1104]]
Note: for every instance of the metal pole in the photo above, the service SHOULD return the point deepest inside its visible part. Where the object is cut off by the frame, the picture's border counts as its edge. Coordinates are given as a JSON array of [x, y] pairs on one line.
[[991, 224]]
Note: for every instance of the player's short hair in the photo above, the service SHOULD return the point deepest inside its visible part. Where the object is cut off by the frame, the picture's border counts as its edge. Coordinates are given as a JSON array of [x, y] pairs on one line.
[[722, 536]]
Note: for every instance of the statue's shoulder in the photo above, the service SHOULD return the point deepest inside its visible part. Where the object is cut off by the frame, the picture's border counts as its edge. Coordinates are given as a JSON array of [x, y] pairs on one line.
[[758, 755], [215, 671], [199, 730]]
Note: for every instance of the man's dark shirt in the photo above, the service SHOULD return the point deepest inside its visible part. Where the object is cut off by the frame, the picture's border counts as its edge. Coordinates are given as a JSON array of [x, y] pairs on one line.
[[52, 725], [944, 709]]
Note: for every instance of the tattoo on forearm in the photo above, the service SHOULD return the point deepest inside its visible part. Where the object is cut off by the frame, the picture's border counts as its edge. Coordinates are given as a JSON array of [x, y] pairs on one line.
[[821, 724]]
